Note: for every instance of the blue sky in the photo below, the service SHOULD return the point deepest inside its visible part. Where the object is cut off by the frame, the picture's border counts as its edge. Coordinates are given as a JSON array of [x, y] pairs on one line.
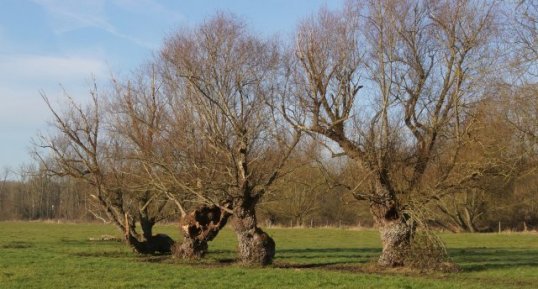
[[45, 43]]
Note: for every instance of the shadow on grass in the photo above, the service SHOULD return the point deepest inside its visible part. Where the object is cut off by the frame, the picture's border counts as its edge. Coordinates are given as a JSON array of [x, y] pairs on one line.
[[360, 255], [72, 242], [105, 254], [307, 255], [17, 245], [284, 265], [361, 259], [483, 259], [344, 259], [329, 258]]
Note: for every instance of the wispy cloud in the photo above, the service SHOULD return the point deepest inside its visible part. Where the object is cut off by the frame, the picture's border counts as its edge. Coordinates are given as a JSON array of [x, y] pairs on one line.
[[150, 7], [72, 15]]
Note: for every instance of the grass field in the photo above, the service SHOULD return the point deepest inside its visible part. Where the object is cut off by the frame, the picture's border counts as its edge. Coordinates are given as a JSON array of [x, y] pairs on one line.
[[45, 255]]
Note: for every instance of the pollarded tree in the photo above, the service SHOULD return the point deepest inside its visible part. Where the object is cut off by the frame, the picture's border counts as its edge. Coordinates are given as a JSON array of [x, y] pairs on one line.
[[79, 147], [225, 77], [154, 140], [418, 62]]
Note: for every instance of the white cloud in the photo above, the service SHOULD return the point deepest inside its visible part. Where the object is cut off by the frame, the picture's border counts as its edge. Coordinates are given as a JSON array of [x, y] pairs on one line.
[[22, 108], [3, 38], [22, 111], [23, 67], [22, 77]]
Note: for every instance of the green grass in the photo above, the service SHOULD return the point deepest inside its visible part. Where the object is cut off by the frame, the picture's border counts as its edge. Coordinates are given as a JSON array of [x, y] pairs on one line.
[[44, 255]]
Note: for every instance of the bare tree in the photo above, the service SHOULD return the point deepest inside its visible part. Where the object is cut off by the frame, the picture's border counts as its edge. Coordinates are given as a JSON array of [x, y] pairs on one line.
[[524, 36], [79, 148], [225, 77], [4, 175], [418, 62], [519, 87], [297, 195], [154, 143]]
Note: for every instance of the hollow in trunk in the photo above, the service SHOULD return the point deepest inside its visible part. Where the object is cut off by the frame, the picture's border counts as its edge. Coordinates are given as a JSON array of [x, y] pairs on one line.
[[199, 227]]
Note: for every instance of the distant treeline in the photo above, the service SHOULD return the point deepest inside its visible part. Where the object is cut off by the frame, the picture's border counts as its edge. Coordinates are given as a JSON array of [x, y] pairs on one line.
[[34, 195]]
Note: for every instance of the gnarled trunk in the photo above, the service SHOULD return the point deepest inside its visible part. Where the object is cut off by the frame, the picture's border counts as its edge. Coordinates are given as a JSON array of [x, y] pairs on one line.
[[191, 247], [147, 243], [255, 246], [396, 239], [199, 227], [395, 232]]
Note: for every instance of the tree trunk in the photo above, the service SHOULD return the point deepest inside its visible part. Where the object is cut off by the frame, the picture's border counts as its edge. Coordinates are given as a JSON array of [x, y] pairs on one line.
[[191, 248], [199, 227], [395, 232], [147, 227], [147, 243], [255, 246]]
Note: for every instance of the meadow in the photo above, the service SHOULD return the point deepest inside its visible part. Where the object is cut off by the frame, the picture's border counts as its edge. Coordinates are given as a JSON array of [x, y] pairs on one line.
[[48, 255]]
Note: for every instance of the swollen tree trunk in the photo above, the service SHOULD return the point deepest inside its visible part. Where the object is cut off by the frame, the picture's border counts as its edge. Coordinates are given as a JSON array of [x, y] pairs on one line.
[[395, 232], [255, 246], [199, 227]]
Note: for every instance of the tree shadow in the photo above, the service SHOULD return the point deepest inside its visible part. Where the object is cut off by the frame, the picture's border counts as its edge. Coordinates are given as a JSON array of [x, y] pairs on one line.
[[357, 259], [17, 245], [326, 265], [349, 259], [350, 254], [482, 259], [304, 258], [103, 254]]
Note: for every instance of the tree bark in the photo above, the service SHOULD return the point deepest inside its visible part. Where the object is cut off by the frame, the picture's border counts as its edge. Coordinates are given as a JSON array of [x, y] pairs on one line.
[[199, 227], [255, 246], [394, 230]]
